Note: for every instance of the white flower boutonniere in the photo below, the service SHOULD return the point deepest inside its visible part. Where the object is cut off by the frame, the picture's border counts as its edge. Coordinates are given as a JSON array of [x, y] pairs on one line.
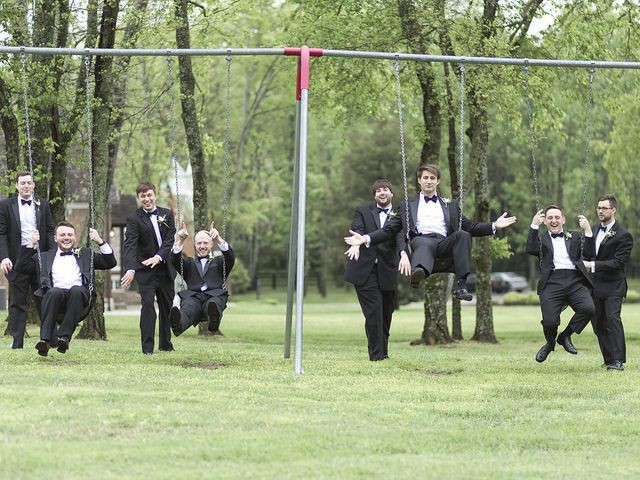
[[568, 235], [446, 201], [610, 233], [162, 220], [37, 202], [391, 214], [76, 252]]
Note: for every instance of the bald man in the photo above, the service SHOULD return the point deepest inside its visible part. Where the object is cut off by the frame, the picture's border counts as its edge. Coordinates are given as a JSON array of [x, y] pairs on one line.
[[206, 295]]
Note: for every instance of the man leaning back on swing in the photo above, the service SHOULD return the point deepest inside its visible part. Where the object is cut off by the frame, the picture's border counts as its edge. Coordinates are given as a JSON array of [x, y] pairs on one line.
[[437, 229]]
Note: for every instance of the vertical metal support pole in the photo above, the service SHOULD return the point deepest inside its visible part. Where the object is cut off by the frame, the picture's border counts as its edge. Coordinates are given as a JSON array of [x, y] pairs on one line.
[[291, 283], [302, 202]]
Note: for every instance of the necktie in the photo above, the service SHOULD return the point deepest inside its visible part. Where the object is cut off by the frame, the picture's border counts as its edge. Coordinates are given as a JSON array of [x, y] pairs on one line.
[[70, 252], [385, 210], [557, 235], [433, 199], [25, 202], [154, 212]]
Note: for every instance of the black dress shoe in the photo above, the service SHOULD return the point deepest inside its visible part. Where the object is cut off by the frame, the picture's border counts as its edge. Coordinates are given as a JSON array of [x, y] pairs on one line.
[[43, 348], [63, 345], [174, 321], [615, 365], [462, 294], [565, 341], [417, 275], [543, 353]]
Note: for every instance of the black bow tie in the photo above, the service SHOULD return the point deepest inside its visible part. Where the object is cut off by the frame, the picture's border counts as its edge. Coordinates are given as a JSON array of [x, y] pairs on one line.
[[154, 212], [433, 199], [557, 235], [25, 202], [70, 252], [385, 210], [601, 227], [203, 257]]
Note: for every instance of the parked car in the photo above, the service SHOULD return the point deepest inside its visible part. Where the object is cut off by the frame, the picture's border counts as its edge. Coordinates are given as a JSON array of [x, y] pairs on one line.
[[501, 282]]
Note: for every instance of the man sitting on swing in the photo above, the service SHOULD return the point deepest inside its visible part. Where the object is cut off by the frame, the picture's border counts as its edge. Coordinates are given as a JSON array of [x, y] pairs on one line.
[[65, 273], [434, 232], [206, 295]]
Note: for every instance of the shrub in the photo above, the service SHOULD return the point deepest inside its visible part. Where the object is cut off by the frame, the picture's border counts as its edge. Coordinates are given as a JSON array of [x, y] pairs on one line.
[[632, 297], [517, 298]]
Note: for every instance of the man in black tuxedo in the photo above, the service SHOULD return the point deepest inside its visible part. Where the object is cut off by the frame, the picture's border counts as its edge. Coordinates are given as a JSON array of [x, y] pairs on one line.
[[564, 280], [64, 282], [374, 270], [434, 232], [20, 217], [205, 297], [612, 247], [147, 246]]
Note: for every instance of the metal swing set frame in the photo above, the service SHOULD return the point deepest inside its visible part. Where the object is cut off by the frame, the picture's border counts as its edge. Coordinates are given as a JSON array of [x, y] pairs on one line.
[[304, 54]]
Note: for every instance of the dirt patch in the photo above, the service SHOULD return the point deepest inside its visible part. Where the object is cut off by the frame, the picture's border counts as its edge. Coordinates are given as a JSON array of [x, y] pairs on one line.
[[434, 373], [206, 366]]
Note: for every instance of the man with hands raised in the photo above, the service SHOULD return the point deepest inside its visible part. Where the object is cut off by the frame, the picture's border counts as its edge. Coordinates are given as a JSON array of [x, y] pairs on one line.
[[564, 280], [205, 297]]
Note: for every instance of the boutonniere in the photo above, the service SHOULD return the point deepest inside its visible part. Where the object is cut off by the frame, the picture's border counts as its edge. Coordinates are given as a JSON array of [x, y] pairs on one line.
[[162, 219], [568, 235], [446, 200], [37, 202], [76, 252], [610, 233], [391, 214]]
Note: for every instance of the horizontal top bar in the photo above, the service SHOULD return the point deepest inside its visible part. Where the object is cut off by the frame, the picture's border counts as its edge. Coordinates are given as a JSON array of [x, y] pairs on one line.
[[534, 62], [139, 52]]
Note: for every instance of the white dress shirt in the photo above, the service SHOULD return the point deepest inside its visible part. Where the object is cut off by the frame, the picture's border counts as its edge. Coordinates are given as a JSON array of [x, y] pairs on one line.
[[27, 220], [65, 271], [384, 216], [601, 234], [430, 217]]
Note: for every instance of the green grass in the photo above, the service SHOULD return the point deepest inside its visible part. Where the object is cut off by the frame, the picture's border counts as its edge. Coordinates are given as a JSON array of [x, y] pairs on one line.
[[231, 407]]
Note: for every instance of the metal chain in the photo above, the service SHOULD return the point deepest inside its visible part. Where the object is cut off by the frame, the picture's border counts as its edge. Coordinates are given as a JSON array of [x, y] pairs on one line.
[[92, 208], [532, 147], [587, 133], [405, 185], [27, 123], [174, 153], [227, 158], [461, 148]]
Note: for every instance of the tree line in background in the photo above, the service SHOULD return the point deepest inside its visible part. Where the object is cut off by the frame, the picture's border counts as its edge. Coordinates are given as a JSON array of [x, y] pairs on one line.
[[353, 129]]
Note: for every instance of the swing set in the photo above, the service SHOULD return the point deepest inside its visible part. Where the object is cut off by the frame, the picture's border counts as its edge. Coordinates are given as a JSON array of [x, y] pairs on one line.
[[304, 54]]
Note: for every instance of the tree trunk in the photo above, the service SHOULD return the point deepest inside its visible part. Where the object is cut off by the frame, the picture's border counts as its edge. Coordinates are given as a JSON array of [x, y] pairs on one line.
[[435, 320], [482, 253], [94, 327], [190, 119]]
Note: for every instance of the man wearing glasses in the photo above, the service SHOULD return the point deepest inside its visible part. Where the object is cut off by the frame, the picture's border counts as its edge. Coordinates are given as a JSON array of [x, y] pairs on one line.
[[612, 246]]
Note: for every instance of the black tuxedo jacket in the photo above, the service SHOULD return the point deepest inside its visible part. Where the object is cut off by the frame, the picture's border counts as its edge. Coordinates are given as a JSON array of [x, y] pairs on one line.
[[10, 230], [140, 243], [451, 212], [212, 276], [609, 278], [367, 220], [537, 241], [100, 262]]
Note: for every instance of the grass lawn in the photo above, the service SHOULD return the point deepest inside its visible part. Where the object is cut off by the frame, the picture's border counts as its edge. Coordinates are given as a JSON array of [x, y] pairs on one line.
[[231, 408]]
